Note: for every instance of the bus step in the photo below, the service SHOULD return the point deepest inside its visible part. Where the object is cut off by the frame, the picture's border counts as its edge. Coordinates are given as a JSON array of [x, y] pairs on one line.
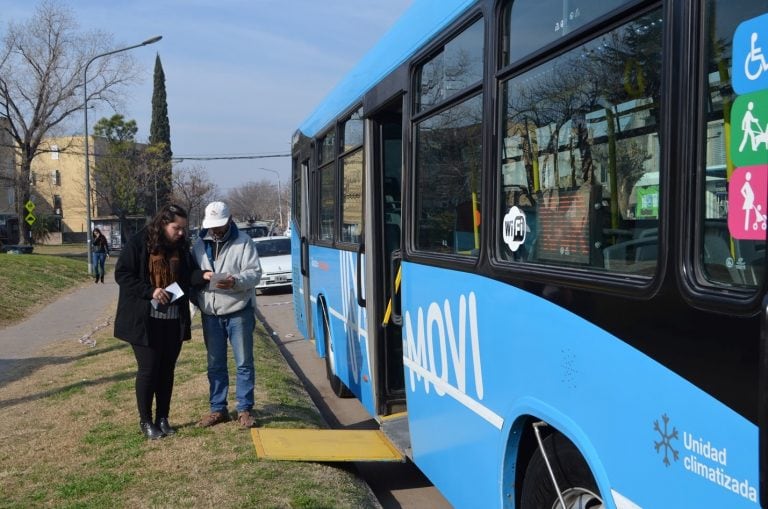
[[395, 427], [323, 445]]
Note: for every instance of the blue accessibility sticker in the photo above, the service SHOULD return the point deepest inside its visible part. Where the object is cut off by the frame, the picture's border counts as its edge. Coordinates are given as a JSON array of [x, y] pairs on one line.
[[750, 55]]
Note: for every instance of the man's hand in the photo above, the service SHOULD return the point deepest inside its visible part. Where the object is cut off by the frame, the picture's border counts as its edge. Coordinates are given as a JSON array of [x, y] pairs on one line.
[[226, 284]]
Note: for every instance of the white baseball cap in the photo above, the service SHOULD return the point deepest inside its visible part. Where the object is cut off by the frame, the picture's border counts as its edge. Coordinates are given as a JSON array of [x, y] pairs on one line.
[[216, 214]]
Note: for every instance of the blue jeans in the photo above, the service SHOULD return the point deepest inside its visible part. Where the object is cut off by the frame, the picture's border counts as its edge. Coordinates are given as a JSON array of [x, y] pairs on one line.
[[238, 328], [98, 263]]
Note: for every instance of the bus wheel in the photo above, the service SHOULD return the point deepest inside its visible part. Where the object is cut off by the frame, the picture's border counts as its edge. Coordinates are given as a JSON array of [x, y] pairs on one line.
[[337, 386], [578, 487]]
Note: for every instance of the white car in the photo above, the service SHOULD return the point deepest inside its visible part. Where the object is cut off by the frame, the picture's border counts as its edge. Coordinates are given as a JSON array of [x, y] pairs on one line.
[[275, 258]]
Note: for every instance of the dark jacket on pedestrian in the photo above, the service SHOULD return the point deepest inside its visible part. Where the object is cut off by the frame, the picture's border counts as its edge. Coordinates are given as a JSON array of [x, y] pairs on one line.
[[100, 245], [134, 301]]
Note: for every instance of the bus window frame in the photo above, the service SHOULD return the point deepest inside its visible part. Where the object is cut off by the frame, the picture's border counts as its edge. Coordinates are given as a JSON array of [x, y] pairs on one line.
[[317, 183], [337, 128], [695, 287], [412, 117], [575, 276]]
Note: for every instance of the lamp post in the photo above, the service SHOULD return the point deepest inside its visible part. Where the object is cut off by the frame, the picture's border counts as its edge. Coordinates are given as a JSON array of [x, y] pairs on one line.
[[279, 197], [85, 136]]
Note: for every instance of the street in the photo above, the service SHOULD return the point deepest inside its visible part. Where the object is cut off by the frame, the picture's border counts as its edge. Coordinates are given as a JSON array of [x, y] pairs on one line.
[[396, 485]]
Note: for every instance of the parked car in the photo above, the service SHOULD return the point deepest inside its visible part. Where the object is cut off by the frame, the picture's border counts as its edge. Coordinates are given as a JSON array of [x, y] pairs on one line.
[[257, 229], [275, 257]]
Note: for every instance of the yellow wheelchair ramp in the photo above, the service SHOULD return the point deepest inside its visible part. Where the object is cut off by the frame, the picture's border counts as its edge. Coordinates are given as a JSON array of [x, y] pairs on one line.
[[323, 445]]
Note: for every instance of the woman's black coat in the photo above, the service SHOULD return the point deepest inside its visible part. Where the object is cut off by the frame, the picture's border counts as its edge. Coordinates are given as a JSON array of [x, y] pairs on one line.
[[133, 304]]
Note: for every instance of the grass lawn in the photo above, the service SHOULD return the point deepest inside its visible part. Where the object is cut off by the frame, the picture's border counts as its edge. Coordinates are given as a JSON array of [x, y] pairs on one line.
[[29, 281], [69, 435]]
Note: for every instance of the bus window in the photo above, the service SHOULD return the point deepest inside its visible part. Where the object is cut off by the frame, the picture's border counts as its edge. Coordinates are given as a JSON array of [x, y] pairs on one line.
[[448, 161], [529, 25], [327, 202], [580, 155], [352, 131], [454, 69], [352, 197], [728, 258], [327, 148]]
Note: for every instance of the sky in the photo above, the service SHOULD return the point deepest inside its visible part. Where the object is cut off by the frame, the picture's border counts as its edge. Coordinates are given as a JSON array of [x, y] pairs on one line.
[[241, 75]]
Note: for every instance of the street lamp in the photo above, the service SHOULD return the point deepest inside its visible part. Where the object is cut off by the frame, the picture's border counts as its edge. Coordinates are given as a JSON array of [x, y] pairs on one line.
[[279, 196], [85, 135]]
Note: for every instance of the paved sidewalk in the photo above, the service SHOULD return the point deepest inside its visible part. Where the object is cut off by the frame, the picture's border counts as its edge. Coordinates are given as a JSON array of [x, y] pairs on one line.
[[72, 316]]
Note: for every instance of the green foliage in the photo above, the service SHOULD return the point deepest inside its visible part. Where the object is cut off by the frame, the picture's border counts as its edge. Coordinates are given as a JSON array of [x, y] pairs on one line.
[[160, 134], [121, 173], [41, 228]]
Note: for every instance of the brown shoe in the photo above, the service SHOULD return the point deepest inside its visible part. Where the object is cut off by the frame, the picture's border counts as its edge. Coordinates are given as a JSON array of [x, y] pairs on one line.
[[245, 419], [213, 418]]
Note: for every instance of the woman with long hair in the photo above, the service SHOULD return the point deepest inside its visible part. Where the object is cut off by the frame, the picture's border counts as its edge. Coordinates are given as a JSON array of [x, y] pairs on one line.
[[150, 316], [100, 250]]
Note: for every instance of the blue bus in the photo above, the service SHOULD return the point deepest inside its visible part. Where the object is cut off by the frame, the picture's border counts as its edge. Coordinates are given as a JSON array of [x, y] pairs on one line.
[[530, 237]]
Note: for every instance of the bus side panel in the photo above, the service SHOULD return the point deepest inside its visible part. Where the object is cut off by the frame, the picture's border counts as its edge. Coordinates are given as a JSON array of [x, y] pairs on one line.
[[333, 276], [479, 353], [300, 313]]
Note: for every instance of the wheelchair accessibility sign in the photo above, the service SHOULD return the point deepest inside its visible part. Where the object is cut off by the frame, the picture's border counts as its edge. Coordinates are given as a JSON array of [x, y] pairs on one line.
[[750, 55]]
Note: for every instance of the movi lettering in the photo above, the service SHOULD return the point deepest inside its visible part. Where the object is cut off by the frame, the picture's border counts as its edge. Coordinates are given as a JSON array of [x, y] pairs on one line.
[[437, 342]]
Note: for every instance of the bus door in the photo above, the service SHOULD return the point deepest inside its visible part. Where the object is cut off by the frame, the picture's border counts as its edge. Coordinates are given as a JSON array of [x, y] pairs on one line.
[[385, 216], [300, 243]]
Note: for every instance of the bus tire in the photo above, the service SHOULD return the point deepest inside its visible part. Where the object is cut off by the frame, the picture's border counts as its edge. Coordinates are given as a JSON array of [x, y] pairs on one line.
[[337, 386], [574, 478]]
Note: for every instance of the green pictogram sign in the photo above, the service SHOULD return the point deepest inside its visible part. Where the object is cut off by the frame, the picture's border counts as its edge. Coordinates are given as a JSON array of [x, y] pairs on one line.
[[30, 219], [749, 119], [29, 206]]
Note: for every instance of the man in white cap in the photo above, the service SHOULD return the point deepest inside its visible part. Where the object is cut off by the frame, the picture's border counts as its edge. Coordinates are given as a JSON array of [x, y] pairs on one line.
[[227, 306]]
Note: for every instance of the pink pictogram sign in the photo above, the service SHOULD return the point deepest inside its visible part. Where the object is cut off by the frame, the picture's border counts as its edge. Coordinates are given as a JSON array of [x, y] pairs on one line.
[[747, 199]]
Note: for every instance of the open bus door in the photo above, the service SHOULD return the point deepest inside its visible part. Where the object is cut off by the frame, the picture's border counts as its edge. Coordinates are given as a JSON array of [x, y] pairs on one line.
[[386, 185]]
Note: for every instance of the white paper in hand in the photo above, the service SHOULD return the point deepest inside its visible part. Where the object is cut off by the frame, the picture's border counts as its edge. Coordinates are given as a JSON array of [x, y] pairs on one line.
[[218, 276], [175, 290]]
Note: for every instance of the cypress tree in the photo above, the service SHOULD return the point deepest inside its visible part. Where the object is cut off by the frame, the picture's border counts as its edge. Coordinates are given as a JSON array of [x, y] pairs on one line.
[[160, 133]]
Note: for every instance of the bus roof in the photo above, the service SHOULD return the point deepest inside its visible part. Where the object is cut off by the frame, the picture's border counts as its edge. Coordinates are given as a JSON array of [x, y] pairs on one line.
[[422, 20]]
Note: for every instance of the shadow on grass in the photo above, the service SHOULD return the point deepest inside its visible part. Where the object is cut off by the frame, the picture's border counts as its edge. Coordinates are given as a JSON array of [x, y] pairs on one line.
[[66, 390], [16, 369], [274, 413]]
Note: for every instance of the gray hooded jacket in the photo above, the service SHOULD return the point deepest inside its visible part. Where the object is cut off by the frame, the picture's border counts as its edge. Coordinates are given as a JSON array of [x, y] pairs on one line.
[[236, 255]]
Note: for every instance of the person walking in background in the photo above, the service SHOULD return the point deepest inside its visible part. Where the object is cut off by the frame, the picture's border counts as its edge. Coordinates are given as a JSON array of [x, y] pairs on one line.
[[230, 265], [100, 250], [150, 317]]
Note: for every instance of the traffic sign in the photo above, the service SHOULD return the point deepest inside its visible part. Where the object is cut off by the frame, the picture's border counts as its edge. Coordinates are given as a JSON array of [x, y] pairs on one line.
[[30, 219], [29, 206]]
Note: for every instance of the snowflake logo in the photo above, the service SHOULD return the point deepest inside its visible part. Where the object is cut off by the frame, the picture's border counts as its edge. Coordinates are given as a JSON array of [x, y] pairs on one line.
[[666, 439]]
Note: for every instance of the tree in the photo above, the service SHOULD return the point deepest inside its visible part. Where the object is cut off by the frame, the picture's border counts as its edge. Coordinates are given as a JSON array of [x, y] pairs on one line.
[[41, 82], [160, 133], [125, 172], [193, 190], [254, 201]]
